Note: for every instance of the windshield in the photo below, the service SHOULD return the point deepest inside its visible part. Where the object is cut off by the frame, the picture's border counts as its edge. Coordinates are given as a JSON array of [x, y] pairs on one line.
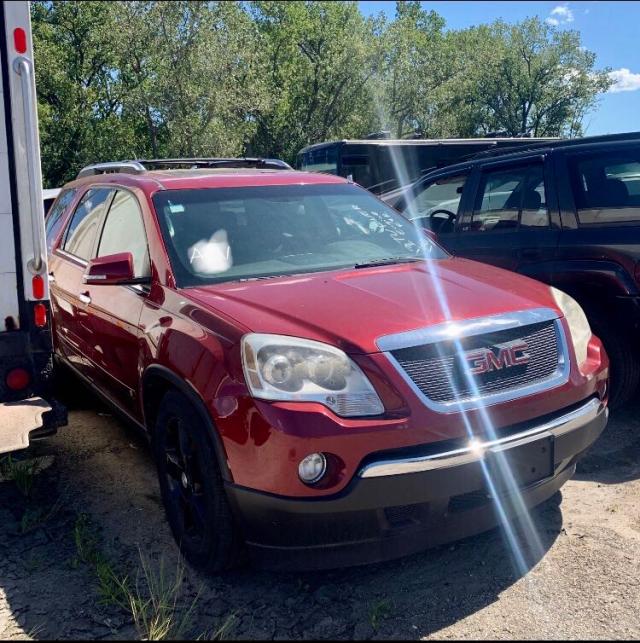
[[227, 234]]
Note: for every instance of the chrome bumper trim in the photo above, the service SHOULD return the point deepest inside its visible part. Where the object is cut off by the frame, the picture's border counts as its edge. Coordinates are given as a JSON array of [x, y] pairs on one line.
[[475, 451]]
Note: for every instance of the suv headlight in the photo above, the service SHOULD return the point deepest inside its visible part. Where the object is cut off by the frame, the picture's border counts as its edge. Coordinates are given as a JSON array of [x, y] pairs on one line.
[[277, 367], [578, 323]]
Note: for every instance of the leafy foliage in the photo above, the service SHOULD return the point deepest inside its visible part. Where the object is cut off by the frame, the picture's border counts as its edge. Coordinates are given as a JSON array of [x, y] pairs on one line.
[[149, 78]]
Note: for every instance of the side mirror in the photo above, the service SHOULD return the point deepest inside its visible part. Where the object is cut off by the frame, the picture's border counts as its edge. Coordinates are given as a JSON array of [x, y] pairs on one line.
[[110, 270]]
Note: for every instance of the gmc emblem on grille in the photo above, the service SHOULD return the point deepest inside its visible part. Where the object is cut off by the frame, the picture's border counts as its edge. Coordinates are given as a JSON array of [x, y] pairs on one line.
[[501, 356]]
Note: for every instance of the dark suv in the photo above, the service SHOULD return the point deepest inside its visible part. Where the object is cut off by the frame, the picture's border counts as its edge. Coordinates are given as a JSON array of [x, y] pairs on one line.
[[564, 212]]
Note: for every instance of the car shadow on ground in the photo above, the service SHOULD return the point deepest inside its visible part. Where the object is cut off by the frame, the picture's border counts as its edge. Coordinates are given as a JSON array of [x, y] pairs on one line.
[[106, 498], [615, 456]]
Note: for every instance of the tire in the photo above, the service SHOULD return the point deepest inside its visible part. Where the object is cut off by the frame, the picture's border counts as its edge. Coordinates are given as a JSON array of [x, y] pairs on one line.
[[623, 357], [192, 488]]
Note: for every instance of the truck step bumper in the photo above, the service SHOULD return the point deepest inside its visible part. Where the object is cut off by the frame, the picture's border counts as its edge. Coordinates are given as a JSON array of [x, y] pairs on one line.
[[32, 419]]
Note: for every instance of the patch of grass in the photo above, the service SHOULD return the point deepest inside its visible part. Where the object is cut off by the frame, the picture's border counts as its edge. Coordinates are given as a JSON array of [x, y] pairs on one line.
[[219, 633], [112, 587], [22, 473], [156, 603], [34, 517], [379, 611]]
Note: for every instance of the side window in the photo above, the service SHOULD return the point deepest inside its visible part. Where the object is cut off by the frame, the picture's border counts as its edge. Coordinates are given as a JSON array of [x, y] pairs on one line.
[[55, 217], [509, 197], [606, 186], [437, 204], [83, 228], [124, 232]]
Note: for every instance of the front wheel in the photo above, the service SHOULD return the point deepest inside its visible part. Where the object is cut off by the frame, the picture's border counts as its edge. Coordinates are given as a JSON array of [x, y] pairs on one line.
[[624, 363], [192, 487]]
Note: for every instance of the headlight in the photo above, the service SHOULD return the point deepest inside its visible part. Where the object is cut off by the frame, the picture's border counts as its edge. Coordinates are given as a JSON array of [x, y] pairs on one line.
[[277, 367], [578, 323]]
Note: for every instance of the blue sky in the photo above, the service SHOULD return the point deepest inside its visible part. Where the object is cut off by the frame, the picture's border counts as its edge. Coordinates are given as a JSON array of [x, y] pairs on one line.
[[610, 29]]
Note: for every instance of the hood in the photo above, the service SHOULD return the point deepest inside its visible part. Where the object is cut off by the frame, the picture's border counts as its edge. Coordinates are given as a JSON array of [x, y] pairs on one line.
[[353, 308]]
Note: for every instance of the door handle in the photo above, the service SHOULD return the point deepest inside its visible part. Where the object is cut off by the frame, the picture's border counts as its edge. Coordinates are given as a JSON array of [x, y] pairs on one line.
[[84, 297]]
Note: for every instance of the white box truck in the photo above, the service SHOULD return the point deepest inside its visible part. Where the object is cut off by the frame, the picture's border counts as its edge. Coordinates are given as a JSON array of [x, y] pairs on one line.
[[25, 333]]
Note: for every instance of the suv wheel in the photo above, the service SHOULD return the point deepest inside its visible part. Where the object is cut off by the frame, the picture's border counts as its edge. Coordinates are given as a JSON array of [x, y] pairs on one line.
[[192, 487], [625, 366]]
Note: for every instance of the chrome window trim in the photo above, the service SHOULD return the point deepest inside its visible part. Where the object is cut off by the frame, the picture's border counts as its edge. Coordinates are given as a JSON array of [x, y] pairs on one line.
[[556, 427], [478, 326]]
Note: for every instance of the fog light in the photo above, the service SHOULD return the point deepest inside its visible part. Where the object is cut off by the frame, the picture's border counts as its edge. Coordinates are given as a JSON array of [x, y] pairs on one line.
[[312, 468]]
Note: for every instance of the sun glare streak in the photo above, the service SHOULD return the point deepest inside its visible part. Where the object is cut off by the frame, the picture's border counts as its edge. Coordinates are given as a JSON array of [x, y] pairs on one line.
[[509, 505]]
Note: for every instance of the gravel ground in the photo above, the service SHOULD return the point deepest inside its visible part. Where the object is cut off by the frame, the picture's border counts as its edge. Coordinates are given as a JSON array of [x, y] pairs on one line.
[[582, 580]]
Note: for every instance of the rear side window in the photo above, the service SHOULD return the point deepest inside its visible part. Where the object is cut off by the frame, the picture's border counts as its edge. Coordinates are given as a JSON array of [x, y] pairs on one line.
[[124, 232], [81, 233], [509, 198], [55, 217], [606, 186]]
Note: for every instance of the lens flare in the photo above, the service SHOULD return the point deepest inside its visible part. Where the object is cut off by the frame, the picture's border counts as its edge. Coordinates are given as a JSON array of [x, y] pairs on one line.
[[501, 484]]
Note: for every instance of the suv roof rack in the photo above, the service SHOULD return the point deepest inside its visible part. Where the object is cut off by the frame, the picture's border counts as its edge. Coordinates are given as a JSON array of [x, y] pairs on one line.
[[537, 143], [139, 166]]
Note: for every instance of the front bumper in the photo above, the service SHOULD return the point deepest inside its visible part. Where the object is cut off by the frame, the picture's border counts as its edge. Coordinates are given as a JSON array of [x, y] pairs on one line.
[[403, 503]]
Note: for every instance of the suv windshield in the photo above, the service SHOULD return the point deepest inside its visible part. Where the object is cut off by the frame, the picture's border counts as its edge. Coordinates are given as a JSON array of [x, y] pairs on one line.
[[227, 234]]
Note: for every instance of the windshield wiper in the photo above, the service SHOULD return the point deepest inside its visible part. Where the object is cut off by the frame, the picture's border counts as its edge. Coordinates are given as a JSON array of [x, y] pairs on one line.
[[387, 261], [261, 277]]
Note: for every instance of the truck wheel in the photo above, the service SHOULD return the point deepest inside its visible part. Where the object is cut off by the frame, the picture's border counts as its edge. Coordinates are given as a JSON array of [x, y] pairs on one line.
[[192, 487], [625, 366]]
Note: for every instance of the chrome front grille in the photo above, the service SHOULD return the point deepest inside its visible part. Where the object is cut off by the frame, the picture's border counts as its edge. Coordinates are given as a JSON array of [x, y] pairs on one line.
[[461, 369]]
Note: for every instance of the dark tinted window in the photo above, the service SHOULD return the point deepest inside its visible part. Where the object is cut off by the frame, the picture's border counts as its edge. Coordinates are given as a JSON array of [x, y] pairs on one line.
[[322, 159], [82, 230], [124, 232], [55, 217], [509, 197], [606, 186], [242, 233]]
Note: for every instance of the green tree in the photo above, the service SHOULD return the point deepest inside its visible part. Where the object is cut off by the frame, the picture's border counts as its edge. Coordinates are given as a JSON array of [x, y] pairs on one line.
[[192, 75], [414, 66], [79, 96], [524, 78], [319, 58]]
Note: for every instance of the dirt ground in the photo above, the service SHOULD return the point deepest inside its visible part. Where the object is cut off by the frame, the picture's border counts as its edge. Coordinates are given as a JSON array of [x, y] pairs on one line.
[[582, 582]]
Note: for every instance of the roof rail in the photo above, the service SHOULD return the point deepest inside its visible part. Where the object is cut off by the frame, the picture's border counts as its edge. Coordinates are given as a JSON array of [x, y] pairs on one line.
[[143, 165], [534, 144], [127, 167], [241, 162]]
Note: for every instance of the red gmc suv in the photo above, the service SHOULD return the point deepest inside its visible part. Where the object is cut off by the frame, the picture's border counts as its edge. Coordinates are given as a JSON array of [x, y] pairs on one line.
[[321, 383]]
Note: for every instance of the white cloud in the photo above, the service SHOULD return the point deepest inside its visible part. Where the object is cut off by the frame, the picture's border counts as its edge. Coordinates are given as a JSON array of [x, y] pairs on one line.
[[624, 81], [560, 15]]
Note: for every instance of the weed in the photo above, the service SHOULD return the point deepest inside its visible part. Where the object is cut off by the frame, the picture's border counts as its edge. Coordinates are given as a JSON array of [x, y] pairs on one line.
[[34, 517], [35, 632], [22, 473], [379, 611], [112, 587], [220, 632], [155, 604]]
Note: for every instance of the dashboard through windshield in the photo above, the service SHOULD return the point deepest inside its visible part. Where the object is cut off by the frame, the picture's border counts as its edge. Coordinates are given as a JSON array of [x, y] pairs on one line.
[[227, 234]]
